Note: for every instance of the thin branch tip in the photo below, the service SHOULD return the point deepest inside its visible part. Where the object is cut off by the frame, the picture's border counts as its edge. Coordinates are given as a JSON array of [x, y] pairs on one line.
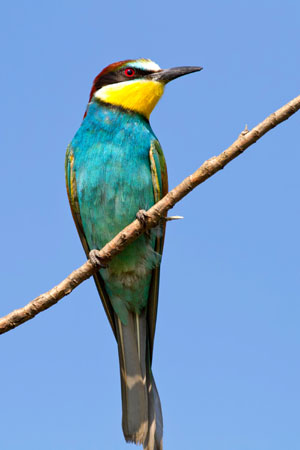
[[168, 219]]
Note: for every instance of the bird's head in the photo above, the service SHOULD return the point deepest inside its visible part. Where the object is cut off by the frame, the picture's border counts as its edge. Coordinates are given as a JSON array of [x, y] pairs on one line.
[[135, 85]]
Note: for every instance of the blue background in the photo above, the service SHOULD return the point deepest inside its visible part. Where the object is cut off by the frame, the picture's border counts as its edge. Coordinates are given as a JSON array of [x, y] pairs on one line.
[[227, 345]]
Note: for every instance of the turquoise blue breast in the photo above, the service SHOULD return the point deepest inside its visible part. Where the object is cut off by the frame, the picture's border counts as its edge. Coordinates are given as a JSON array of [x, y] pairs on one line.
[[113, 181]]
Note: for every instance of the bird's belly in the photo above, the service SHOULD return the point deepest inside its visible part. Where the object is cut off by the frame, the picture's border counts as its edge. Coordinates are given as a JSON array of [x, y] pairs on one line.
[[110, 192], [112, 186]]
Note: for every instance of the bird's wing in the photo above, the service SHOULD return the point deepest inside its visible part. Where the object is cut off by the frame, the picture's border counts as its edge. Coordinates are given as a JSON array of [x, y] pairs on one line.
[[73, 199], [160, 189]]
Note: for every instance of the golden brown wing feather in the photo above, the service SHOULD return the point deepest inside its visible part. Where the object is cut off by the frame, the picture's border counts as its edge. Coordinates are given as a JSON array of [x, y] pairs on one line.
[[160, 189]]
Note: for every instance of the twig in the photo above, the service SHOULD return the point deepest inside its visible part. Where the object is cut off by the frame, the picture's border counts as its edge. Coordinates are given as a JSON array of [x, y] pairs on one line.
[[168, 219], [154, 215]]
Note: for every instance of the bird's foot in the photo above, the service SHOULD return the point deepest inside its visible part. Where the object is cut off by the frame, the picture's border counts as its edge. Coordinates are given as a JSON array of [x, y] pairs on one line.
[[142, 217], [96, 260]]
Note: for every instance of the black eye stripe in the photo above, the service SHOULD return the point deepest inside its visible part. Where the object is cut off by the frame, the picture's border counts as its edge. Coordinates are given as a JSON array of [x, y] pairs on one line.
[[119, 75], [138, 72]]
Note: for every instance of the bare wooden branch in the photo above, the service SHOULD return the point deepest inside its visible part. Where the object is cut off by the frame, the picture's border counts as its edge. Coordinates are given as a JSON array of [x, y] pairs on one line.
[[154, 215]]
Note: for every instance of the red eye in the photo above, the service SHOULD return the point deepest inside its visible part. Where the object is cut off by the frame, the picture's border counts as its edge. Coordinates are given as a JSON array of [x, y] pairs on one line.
[[129, 72]]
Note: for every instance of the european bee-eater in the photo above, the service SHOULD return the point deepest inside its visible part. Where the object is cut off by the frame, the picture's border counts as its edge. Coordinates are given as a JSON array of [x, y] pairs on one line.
[[115, 167]]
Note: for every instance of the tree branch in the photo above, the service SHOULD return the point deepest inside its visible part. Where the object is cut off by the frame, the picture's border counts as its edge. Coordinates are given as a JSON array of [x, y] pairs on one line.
[[154, 215]]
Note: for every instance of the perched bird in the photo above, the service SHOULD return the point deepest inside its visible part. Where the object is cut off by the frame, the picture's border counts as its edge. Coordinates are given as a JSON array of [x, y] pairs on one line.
[[115, 168]]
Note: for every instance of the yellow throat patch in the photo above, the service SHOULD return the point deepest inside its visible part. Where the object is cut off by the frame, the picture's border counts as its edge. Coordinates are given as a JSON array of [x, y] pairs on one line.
[[140, 96]]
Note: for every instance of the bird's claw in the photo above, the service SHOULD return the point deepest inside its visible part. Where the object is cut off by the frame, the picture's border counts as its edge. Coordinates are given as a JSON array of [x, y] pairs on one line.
[[96, 260], [142, 217]]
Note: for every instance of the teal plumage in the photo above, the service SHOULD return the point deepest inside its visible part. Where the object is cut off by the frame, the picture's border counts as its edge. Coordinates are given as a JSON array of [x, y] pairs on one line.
[[113, 179], [114, 168]]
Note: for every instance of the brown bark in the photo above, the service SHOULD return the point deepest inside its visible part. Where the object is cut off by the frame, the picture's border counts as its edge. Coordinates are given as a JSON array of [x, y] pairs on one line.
[[154, 215]]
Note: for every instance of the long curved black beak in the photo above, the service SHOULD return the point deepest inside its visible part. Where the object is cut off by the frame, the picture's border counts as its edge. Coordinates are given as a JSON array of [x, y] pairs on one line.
[[166, 75]]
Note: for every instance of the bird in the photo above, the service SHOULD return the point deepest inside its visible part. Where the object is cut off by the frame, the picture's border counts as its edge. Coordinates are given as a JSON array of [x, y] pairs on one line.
[[115, 171]]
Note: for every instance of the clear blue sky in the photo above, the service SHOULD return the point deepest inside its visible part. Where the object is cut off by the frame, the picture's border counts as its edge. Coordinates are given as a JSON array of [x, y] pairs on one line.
[[227, 345]]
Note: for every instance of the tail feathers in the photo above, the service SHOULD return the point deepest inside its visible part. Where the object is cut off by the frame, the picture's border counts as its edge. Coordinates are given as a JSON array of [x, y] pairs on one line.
[[132, 356], [141, 410], [154, 438]]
